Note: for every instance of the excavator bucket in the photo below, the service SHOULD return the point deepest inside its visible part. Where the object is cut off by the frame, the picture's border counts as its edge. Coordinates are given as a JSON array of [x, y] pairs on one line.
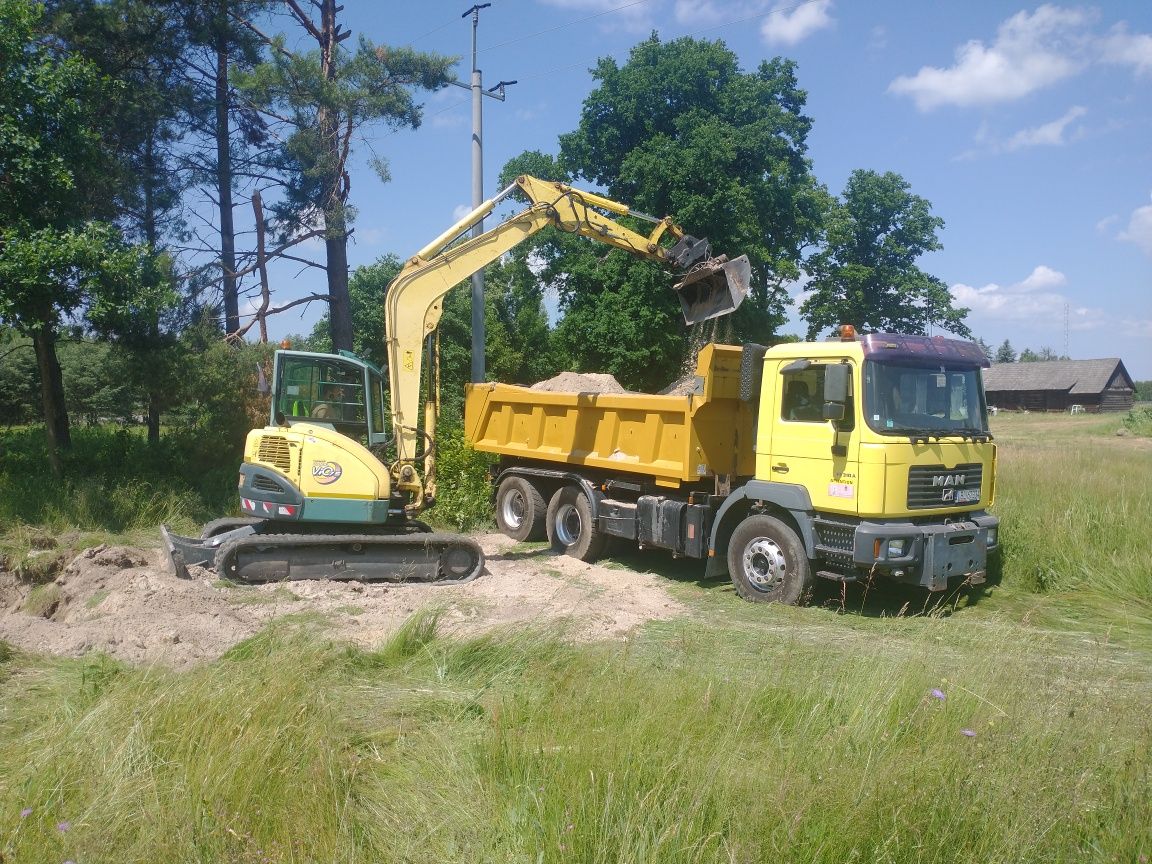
[[714, 287]]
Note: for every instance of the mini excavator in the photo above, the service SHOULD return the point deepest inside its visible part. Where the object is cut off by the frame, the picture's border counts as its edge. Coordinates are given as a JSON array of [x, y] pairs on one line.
[[332, 487]]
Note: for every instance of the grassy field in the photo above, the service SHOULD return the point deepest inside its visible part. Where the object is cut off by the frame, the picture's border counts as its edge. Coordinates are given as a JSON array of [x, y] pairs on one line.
[[1006, 724]]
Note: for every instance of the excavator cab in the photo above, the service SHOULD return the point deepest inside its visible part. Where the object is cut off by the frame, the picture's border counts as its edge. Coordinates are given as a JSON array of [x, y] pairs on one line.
[[337, 390]]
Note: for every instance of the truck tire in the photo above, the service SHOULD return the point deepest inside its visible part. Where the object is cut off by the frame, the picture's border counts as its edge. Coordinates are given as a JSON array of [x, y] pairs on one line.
[[767, 563], [572, 530], [520, 509]]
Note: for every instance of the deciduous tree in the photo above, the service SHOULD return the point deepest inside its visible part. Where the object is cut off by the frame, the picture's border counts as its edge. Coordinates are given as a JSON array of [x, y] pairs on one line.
[[866, 273], [680, 129]]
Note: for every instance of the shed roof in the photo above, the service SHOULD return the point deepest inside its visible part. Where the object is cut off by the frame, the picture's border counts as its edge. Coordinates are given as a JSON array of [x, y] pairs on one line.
[[1070, 376]]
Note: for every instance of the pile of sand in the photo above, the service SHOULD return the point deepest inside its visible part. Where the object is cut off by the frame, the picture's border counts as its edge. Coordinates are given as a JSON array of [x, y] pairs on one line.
[[123, 601], [577, 382]]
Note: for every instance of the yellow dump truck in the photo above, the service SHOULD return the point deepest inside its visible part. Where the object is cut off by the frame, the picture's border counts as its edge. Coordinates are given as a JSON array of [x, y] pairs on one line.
[[843, 459]]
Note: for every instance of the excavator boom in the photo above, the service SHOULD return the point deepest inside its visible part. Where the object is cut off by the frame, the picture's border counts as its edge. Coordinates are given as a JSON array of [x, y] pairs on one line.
[[712, 286]]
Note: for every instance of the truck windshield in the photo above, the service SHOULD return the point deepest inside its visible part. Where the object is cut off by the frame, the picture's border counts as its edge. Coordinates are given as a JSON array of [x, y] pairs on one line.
[[923, 399]]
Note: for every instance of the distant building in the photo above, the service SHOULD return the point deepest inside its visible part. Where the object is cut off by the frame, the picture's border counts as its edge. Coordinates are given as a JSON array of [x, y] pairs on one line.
[[1057, 385]]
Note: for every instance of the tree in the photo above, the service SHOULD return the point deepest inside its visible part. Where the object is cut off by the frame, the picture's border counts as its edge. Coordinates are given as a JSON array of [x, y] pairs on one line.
[[987, 349], [1005, 353], [142, 46], [57, 263], [225, 125], [323, 97], [51, 276], [680, 129], [866, 273]]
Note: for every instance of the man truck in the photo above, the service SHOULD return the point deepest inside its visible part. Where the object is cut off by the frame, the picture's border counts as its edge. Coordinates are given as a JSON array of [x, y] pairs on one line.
[[858, 457]]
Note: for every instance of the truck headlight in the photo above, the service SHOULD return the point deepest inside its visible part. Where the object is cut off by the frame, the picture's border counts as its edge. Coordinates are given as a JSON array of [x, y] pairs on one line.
[[993, 536], [896, 547]]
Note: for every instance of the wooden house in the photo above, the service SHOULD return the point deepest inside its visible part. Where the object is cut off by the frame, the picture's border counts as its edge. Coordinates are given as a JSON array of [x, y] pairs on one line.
[[1057, 385]]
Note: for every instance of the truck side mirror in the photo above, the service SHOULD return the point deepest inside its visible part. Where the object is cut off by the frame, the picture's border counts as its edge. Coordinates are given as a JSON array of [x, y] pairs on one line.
[[833, 410], [836, 383]]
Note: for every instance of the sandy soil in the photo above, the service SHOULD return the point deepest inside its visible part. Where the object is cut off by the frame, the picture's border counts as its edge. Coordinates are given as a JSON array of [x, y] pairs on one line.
[[580, 382], [123, 601]]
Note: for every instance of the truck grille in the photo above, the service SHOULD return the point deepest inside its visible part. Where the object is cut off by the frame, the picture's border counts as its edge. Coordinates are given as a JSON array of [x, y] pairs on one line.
[[937, 486], [274, 451]]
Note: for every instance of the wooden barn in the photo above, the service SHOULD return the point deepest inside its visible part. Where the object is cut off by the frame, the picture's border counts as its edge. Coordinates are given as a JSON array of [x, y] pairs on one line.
[[1057, 385]]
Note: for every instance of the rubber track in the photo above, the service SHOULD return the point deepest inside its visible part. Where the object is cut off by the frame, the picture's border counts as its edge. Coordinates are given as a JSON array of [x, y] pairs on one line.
[[418, 542]]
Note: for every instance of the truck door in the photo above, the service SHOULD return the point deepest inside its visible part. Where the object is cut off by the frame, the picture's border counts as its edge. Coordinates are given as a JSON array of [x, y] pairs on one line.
[[804, 448]]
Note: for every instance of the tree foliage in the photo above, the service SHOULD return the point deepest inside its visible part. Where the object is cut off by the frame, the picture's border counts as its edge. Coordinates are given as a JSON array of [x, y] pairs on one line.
[[1005, 353], [59, 264], [680, 129], [322, 98], [866, 272]]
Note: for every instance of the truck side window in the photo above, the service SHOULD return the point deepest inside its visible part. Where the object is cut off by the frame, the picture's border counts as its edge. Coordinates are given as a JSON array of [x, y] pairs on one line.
[[803, 391], [803, 399]]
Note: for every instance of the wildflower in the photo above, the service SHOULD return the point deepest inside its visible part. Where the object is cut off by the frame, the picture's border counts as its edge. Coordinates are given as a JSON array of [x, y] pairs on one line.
[[26, 812], [939, 694], [968, 733], [63, 826]]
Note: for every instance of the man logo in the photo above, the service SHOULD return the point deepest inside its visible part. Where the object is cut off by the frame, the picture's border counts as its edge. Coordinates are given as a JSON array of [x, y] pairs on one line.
[[326, 473], [948, 479]]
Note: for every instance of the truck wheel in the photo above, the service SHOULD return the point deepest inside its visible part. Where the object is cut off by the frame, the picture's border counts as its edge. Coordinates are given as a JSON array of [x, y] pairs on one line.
[[520, 509], [767, 563], [571, 528]]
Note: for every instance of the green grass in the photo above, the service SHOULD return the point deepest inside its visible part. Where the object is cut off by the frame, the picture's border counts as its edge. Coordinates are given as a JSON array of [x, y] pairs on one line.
[[692, 744], [740, 733]]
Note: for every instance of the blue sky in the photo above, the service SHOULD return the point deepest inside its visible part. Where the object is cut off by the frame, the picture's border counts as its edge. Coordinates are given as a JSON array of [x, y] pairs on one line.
[[1028, 128]]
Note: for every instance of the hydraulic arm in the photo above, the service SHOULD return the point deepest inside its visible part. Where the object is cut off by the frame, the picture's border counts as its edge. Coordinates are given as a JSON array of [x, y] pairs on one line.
[[414, 304]]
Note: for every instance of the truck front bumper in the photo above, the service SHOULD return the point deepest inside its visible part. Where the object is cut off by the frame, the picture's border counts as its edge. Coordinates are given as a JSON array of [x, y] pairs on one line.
[[927, 554]]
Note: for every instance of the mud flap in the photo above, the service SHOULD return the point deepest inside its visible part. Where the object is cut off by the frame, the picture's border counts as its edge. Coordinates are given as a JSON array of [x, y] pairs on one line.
[[713, 288]]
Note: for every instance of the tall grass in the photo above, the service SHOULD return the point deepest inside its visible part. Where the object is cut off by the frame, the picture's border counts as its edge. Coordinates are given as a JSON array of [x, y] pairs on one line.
[[113, 481], [693, 746], [1075, 511]]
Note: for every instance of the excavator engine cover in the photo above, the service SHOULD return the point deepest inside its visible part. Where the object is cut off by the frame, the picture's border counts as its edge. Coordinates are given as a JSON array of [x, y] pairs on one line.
[[713, 288]]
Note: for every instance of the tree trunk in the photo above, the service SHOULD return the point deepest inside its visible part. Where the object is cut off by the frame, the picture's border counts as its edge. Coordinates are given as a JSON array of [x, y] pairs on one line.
[[339, 304], [224, 176], [152, 236], [52, 396], [335, 190]]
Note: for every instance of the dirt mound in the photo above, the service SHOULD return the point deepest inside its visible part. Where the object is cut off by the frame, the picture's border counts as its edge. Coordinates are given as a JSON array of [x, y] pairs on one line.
[[123, 601], [577, 382]]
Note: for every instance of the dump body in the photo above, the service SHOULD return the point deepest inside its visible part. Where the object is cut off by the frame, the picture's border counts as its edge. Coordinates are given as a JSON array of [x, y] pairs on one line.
[[672, 440]]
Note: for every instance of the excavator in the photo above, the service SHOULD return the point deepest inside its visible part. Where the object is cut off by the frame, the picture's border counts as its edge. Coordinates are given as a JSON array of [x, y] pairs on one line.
[[333, 486]]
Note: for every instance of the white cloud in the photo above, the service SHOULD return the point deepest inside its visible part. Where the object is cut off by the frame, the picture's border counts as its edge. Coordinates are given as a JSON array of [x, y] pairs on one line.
[[1030, 52], [1106, 224], [790, 25], [614, 15], [1049, 134], [1122, 48], [1042, 276], [785, 23], [1139, 230], [1028, 302]]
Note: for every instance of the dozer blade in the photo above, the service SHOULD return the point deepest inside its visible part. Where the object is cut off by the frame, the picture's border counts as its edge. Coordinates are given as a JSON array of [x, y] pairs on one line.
[[185, 552], [713, 288]]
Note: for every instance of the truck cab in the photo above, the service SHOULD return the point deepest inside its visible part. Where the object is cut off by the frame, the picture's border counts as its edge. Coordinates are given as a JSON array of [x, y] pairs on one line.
[[877, 450]]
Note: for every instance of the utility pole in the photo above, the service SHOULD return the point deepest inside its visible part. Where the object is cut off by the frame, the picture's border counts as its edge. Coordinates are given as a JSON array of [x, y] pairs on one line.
[[496, 92]]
